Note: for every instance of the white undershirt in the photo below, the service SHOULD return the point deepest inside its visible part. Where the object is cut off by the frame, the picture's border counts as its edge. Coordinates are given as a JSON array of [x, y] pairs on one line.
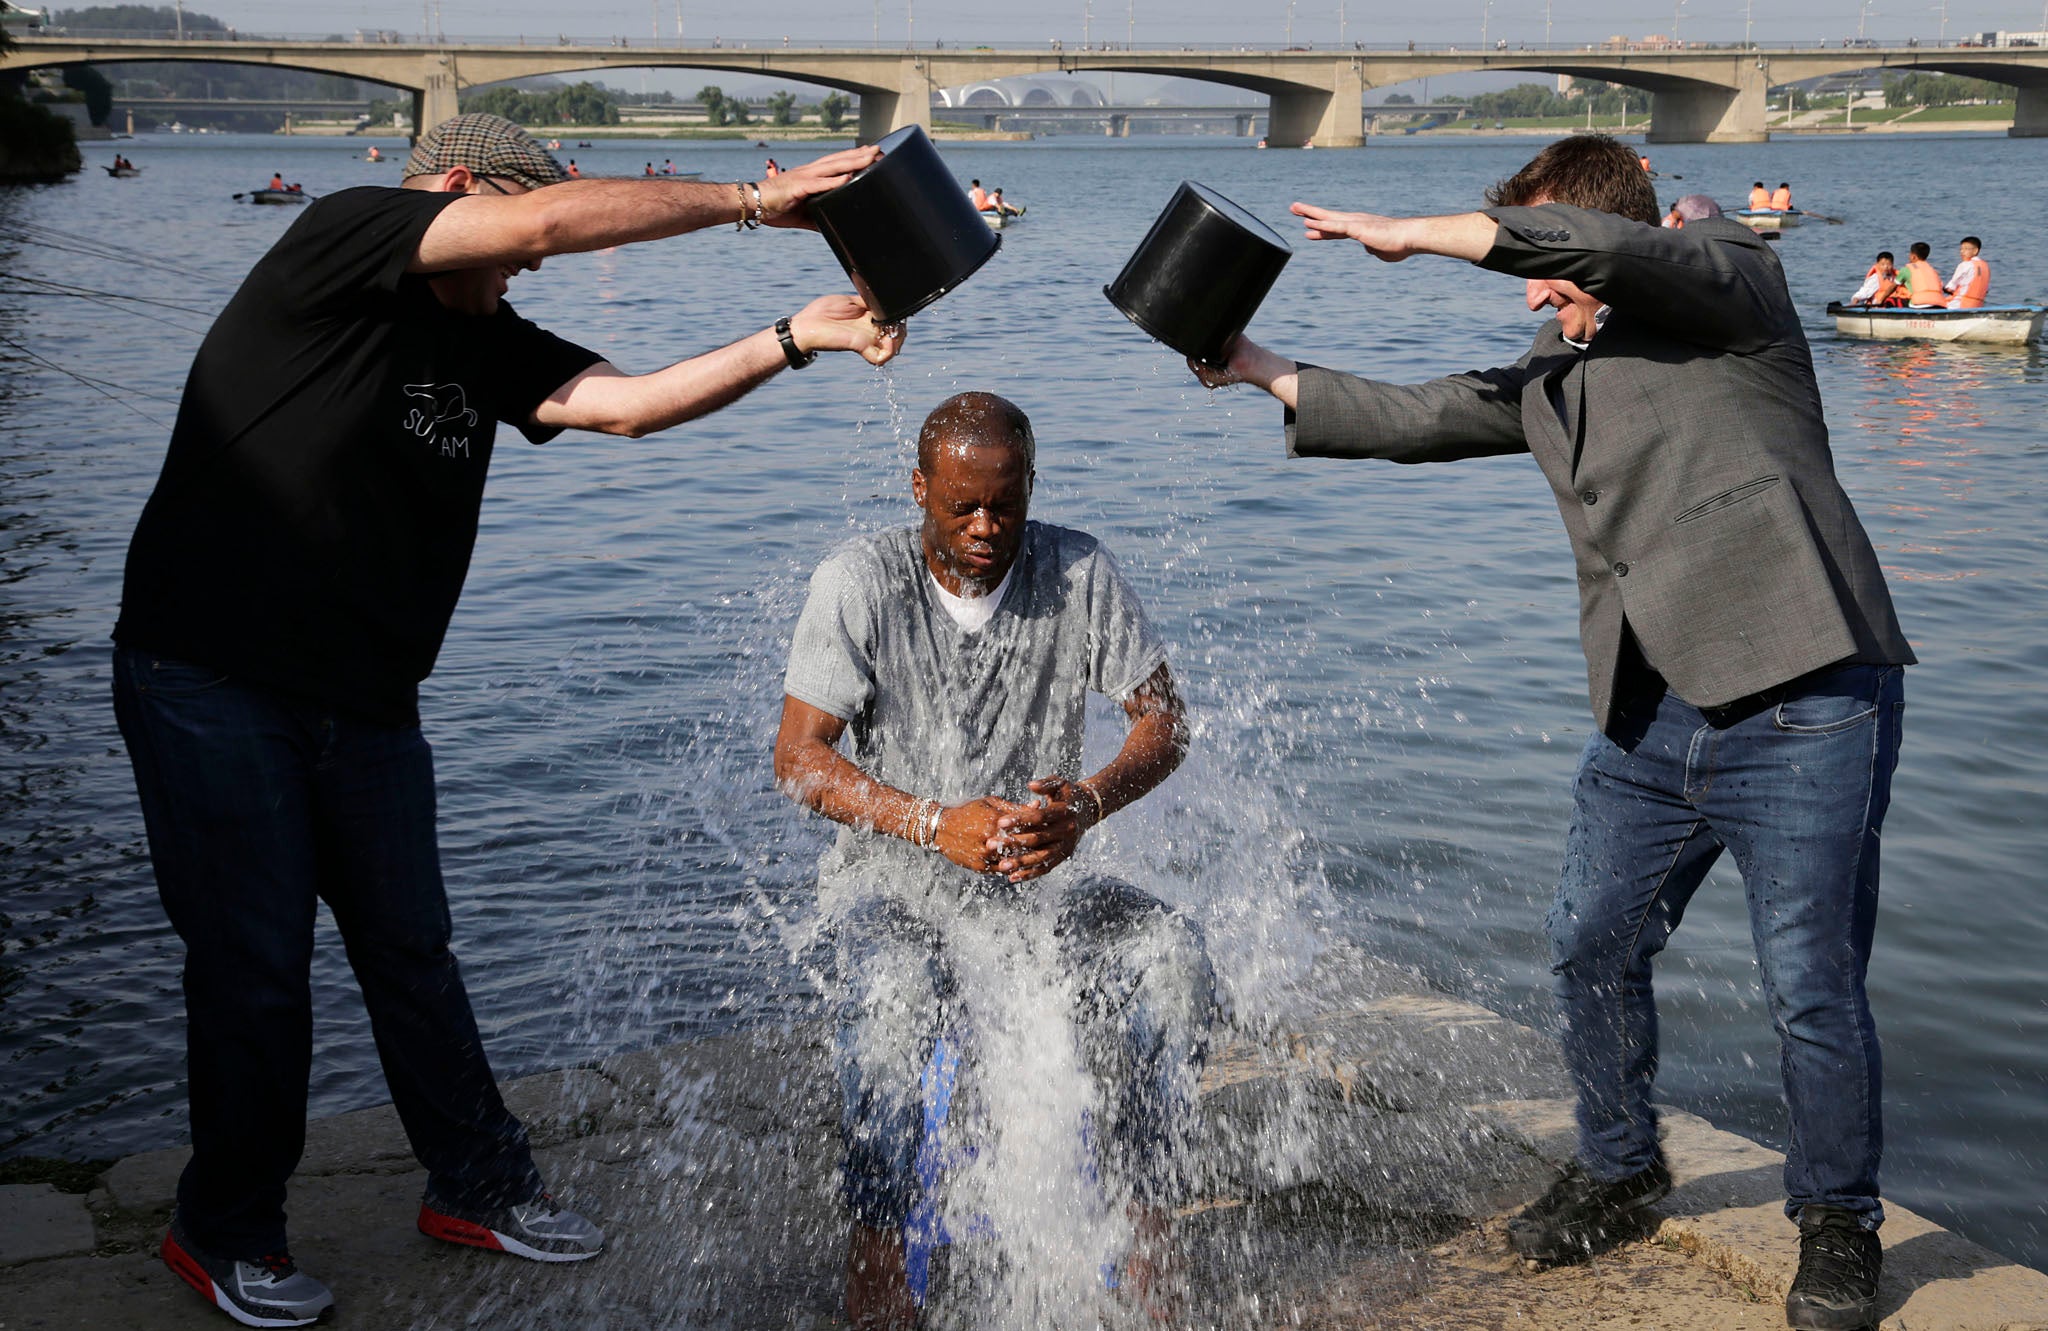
[[972, 613]]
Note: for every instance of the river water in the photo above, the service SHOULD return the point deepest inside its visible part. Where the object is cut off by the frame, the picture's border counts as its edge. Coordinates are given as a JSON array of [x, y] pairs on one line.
[[1383, 661]]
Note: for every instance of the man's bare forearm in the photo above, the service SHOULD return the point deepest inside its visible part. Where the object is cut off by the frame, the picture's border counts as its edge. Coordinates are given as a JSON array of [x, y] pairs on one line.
[[1152, 748], [1467, 236], [573, 217], [603, 398], [820, 778]]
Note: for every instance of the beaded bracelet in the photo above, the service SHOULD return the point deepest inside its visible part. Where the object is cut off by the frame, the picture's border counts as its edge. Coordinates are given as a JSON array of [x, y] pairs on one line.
[[743, 223]]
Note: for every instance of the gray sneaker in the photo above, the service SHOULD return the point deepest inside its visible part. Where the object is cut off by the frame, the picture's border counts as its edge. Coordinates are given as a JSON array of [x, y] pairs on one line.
[[268, 1292], [540, 1230]]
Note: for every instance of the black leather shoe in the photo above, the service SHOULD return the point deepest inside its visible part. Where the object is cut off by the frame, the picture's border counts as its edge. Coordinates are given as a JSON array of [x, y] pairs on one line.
[[1839, 1263], [1580, 1217]]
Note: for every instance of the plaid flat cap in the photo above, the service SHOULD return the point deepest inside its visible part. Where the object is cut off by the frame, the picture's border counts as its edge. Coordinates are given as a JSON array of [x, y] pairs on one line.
[[489, 146]]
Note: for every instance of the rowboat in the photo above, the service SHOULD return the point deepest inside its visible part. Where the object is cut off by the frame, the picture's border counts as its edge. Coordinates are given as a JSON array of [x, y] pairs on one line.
[[277, 196], [1768, 219], [122, 172], [2014, 325], [998, 220]]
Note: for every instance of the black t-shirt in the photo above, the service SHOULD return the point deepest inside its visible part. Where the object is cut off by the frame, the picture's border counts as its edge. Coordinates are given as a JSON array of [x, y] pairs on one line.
[[313, 523]]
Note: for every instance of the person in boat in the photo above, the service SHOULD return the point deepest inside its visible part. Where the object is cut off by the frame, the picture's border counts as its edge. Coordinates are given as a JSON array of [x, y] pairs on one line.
[[1971, 281], [1759, 198], [1672, 221], [997, 205], [668, 166], [1781, 198], [648, 170], [289, 585], [1727, 591], [1923, 283], [958, 654], [573, 171], [771, 168], [1881, 284], [375, 154], [276, 180], [1643, 161], [979, 195]]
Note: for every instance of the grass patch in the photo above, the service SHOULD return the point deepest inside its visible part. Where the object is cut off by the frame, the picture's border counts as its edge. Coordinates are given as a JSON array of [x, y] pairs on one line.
[[1995, 111], [79, 1176]]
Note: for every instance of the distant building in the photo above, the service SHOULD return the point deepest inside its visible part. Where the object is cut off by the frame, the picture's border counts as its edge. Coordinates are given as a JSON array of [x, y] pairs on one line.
[[20, 18], [1020, 91], [2010, 39]]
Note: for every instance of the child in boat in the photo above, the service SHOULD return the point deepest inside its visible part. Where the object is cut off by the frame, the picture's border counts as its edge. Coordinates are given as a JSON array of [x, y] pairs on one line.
[[1880, 284], [1971, 281]]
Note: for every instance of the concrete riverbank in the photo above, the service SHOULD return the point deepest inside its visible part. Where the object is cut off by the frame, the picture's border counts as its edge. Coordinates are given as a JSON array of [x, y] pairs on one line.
[[711, 1163]]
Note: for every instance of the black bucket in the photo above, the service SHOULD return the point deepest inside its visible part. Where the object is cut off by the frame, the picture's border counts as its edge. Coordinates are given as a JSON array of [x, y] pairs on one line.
[[903, 229], [1199, 275]]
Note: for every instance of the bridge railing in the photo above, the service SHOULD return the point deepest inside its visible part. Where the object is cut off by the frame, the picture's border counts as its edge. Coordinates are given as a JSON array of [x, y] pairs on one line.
[[394, 37]]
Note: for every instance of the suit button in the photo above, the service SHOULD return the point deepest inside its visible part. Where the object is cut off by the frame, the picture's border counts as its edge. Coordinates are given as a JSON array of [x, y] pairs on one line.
[[1621, 570], [1591, 496]]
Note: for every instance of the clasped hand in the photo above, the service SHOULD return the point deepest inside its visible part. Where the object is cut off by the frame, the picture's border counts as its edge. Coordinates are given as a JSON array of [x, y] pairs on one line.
[[1019, 842]]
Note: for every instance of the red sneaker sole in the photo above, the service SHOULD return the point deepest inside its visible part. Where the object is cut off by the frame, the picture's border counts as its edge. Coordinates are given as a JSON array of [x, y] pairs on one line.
[[450, 1230]]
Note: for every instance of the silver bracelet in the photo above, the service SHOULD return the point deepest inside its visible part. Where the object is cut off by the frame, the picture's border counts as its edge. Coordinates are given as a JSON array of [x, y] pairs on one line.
[[931, 827], [760, 209], [1095, 798]]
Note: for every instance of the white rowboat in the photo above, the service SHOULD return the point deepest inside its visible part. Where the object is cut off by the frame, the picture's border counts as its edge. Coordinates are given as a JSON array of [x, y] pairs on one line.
[[998, 220], [1768, 219], [2014, 325]]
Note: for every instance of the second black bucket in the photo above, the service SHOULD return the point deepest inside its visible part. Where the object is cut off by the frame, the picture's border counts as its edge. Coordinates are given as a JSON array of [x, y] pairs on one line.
[[1198, 276], [903, 229]]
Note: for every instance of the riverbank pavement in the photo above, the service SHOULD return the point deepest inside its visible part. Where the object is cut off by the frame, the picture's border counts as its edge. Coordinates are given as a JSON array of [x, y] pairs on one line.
[[1363, 1153]]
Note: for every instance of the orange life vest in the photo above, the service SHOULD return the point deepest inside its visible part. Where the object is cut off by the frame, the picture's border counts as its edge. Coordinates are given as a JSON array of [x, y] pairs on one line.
[[1972, 295], [979, 195], [1781, 199], [1759, 198], [1924, 284]]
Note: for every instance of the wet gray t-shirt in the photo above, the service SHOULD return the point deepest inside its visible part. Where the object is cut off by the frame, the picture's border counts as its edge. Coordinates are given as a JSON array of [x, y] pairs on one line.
[[939, 711]]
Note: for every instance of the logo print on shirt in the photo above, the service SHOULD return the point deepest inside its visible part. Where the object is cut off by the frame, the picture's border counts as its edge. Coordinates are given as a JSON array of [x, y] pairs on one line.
[[444, 404]]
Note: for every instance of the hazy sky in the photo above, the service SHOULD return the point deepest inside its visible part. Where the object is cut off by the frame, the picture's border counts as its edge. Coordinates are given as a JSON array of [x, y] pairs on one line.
[[1150, 20]]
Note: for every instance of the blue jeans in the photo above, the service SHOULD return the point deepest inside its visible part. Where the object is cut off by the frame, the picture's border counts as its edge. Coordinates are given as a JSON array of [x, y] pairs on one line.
[[1795, 786], [1146, 999], [258, 807]]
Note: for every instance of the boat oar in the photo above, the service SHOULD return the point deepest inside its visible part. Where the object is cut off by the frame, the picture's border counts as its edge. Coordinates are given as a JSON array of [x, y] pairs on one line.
[[1820, 217]]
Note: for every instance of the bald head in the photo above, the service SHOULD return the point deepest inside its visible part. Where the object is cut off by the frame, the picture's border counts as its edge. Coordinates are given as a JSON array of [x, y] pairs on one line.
[[974, 421]]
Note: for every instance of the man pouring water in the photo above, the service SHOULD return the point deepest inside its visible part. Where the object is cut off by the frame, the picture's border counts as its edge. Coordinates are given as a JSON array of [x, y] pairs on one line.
[[958, 655], [1743, 661], [289, 586]]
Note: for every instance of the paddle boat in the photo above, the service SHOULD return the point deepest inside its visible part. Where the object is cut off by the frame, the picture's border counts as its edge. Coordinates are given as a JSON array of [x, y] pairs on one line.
[[2012, 325], [1768, 219], [998, 219], [277, 196]]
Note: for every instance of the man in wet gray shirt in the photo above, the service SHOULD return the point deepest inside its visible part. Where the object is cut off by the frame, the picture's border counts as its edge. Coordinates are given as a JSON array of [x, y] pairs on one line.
[[959, 654]]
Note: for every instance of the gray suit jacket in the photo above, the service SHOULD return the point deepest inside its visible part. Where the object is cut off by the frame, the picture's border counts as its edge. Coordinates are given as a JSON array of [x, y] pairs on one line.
[[1685, 447]]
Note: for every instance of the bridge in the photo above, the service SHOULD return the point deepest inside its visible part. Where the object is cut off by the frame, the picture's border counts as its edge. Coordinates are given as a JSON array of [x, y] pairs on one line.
[[1698, 94]]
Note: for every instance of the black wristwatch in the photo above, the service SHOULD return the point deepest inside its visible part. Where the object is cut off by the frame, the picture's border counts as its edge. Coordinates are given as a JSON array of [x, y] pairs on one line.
[[797, 359]]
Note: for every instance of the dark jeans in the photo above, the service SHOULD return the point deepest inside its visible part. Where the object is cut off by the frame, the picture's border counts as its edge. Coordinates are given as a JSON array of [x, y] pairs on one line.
[[1796, 788], [258, 807]]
